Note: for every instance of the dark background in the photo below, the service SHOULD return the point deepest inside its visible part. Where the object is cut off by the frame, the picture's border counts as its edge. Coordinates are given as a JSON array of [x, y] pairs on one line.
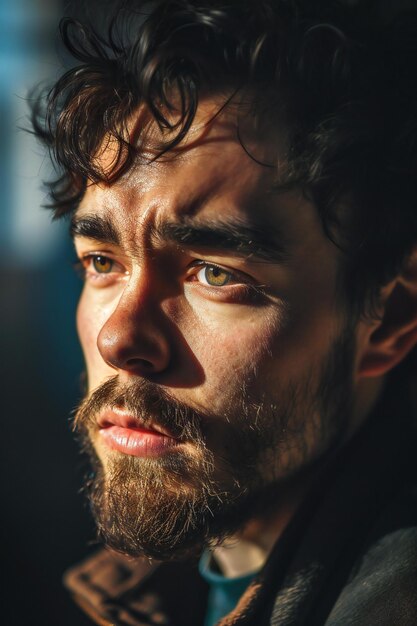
[[46, 525]]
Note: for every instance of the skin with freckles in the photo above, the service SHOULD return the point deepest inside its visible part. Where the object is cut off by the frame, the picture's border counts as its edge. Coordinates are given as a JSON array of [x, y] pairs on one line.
[[248, 342]]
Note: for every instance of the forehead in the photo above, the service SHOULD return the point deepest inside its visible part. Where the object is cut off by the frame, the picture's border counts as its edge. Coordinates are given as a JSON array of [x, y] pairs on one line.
[[224, 169]]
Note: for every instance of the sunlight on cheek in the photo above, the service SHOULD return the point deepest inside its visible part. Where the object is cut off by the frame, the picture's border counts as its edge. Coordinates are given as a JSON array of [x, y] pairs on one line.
[[220, 308], [234, 353], [228, 337]]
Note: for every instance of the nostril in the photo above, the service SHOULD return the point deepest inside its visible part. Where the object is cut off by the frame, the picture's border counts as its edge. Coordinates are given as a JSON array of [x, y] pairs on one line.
[[126, 342], [132, 363]]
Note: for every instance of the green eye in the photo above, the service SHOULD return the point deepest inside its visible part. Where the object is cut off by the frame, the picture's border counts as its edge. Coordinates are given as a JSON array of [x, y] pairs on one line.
[[214, 276], [102, 264]]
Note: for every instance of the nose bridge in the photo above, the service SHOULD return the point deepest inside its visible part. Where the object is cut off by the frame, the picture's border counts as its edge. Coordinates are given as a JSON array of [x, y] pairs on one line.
[[134, 337]]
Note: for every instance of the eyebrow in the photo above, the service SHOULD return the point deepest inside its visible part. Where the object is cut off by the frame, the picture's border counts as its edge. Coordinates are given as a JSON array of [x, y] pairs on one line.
[[247, 240], [94, 227], [233, 236]]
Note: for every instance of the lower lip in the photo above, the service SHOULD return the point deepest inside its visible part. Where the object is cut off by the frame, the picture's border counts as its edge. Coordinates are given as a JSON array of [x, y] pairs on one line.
[[137, 442]]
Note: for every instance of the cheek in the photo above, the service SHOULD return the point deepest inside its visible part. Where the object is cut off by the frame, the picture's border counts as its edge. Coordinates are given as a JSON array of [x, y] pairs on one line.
[[262, 349], [232, 353]]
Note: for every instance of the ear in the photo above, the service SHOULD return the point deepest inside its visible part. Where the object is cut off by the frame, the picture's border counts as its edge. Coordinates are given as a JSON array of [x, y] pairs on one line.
[[386, 342]]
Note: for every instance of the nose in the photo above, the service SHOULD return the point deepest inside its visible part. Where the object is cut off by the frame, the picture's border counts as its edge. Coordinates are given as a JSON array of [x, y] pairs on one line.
[[135, 338]]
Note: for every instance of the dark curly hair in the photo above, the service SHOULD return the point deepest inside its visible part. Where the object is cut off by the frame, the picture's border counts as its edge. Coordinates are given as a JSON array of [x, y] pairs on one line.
[[340, 76]]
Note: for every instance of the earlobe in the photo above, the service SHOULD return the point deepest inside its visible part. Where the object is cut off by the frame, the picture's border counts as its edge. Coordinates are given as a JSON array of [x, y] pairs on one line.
[[394, 335]]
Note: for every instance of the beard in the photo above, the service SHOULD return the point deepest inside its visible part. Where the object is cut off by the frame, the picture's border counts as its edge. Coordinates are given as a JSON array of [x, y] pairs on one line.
[[175, 505]]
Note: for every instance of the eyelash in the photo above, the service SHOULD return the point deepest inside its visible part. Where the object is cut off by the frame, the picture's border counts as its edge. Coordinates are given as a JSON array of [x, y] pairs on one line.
[[237, 279], [81, 267], [241, 290], [242, 287]]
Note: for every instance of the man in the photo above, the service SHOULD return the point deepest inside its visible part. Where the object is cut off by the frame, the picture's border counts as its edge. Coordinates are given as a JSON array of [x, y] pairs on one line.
[[241, 184]]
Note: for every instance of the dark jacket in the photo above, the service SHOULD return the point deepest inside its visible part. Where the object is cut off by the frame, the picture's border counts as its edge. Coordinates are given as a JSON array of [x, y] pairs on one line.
[[349, 556]]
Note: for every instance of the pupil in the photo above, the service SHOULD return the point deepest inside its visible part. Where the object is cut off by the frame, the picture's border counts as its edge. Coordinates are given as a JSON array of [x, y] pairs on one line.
[[102, 264], [216, 276]]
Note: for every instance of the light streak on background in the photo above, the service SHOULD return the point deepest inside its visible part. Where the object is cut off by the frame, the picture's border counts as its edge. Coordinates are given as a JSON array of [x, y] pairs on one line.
[[44, 527]]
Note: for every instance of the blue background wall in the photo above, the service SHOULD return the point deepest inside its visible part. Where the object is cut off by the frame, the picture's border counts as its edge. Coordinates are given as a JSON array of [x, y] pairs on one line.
[[45, 524]]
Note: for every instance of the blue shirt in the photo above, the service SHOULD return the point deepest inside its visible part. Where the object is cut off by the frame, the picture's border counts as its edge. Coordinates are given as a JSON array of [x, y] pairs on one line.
[[224, 593]]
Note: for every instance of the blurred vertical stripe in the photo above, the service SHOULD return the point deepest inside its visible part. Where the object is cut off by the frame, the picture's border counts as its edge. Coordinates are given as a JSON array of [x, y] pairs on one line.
[[27, 58]]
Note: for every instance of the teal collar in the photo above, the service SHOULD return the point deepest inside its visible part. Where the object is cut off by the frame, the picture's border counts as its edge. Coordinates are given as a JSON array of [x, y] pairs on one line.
[[224, 592]]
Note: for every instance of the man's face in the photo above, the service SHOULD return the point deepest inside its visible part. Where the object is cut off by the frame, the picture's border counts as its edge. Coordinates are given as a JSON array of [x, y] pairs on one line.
[[219, 360]]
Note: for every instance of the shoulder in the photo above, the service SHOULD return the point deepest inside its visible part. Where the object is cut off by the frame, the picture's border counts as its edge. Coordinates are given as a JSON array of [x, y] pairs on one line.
[[382, 589]]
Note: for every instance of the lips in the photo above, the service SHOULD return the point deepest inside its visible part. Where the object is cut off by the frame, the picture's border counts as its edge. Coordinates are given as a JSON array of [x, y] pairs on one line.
[[129, 435], [118, 417]]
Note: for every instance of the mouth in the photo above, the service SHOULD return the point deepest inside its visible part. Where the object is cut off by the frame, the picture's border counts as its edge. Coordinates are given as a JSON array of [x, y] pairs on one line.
[[124, 433]]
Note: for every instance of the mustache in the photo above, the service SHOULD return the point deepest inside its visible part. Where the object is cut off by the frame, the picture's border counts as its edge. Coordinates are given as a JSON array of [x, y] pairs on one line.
[[144, 401]]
